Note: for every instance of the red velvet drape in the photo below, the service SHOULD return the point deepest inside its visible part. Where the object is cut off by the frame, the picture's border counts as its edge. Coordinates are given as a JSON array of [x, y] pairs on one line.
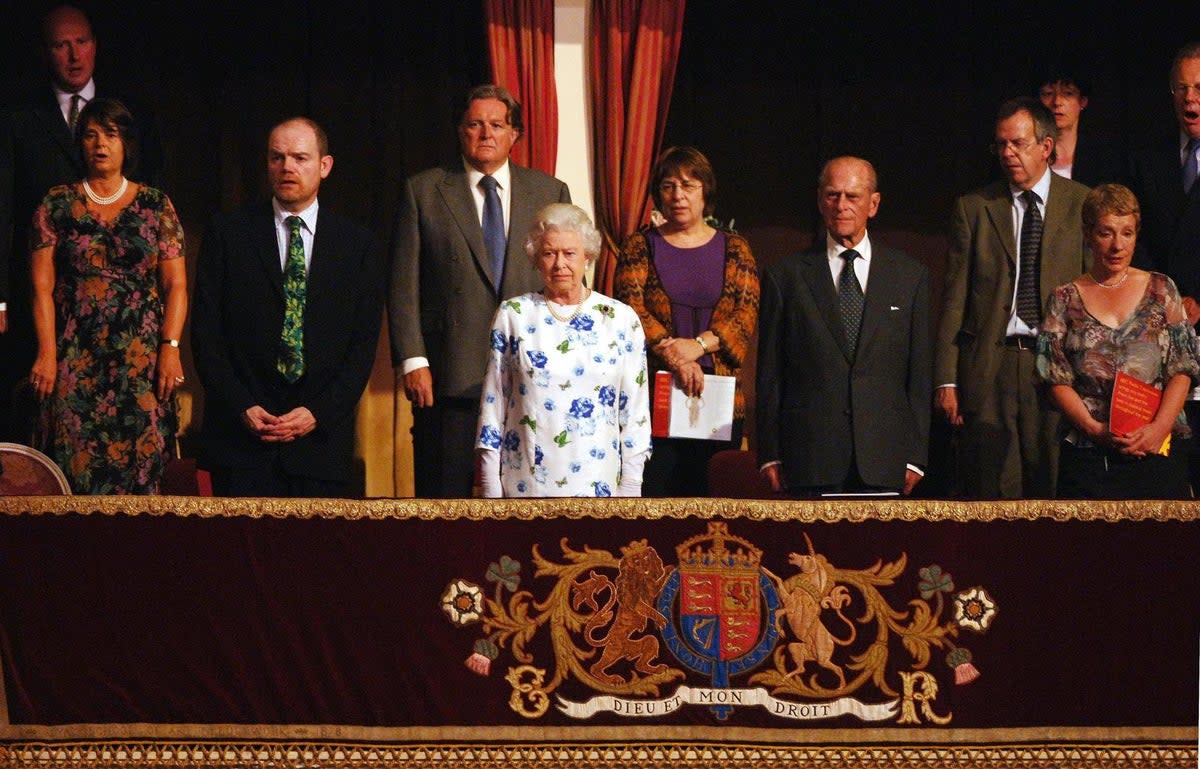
[[635, 47], [521, 43]]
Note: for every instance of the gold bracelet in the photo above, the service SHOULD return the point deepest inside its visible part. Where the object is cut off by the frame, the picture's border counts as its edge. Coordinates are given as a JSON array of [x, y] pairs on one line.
[[700, 341]]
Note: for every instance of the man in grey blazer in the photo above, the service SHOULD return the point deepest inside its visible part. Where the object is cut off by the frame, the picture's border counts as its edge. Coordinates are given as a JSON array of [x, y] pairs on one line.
[[1028, 225], [457, 250], [843, 354]]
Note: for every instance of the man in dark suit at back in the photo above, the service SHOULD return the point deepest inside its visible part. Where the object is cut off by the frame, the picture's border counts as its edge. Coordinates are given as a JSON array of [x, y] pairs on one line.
[[458, 249], [285, 321], [844, 367], [37, 152], [1164, 180]]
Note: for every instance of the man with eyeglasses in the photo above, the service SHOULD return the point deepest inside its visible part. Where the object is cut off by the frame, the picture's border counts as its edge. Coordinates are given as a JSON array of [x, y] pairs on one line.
[[1164, 180], [1011, 244], [457, 250]]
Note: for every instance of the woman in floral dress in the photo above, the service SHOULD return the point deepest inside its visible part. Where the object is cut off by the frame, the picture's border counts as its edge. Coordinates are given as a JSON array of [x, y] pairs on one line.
[[109, 300], [1115, 319], [565, 408]]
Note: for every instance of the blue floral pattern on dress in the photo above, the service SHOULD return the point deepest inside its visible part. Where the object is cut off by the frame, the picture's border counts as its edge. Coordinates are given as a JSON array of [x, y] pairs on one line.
[[564, 402]]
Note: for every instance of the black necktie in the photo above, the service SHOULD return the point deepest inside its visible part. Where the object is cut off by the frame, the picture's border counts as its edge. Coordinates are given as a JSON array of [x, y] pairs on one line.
[[1028, 307], [850, 299], [493, 229]]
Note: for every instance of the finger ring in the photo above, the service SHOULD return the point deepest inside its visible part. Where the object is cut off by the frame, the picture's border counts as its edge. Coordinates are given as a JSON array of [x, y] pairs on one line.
[[179, 380]]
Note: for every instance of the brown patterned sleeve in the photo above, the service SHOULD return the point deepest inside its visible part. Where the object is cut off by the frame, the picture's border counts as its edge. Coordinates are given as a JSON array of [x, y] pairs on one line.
[[735, 318], [630, 285]]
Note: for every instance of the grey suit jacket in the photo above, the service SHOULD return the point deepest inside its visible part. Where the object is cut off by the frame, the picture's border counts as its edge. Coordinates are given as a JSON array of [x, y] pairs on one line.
[[440, 298], [980, 272], [817, 407]]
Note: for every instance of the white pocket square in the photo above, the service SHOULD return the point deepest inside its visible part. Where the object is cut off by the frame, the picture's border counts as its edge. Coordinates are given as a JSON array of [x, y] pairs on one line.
[[893, 307]]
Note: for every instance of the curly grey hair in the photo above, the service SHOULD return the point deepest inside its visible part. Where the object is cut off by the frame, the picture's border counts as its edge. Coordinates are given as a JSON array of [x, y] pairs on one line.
[[562, 217]]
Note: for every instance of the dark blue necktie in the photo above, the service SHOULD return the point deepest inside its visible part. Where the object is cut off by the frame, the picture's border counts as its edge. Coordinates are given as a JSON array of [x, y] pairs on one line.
[[1191, 166], [493, 229]]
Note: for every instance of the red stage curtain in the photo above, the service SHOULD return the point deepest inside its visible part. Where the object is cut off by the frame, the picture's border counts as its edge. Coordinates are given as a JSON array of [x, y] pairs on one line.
[[521, 42], [635, 47]]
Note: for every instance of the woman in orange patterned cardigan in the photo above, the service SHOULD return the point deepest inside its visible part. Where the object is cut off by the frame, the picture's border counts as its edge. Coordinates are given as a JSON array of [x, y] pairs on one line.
[[695, 288]]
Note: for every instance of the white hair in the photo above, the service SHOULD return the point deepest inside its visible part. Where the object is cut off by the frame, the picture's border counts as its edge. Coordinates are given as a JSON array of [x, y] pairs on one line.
[[562, 217]]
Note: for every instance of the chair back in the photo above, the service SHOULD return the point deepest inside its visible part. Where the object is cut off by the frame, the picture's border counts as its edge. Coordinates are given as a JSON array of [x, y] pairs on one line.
[[25, 471]]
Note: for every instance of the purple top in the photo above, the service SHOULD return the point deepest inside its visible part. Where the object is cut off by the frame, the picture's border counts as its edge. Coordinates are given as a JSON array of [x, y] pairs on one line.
[[692, 278]]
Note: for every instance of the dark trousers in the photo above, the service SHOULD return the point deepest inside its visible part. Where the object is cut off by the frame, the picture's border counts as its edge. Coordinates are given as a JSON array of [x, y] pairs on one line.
[[1191, 409], [1096, 473], [444, 448], [271, 481], [851, 484], [678, 467]]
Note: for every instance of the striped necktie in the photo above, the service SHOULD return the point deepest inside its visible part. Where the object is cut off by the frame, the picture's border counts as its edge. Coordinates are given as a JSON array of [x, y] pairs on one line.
[[1029, 309]]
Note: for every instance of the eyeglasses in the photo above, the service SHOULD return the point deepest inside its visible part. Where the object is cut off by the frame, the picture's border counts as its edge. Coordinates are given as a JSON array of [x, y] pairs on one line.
[[667, 189], [1181, 90], [1018, 145]]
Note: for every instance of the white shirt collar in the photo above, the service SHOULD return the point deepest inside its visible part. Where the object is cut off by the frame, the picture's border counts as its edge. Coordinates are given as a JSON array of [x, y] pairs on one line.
[[88, 92], [833, 249], [308, 215], [1042, 188], [502, 175]]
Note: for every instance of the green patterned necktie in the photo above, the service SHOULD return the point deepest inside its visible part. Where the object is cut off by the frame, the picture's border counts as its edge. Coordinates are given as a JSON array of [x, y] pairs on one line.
[[291, 341]]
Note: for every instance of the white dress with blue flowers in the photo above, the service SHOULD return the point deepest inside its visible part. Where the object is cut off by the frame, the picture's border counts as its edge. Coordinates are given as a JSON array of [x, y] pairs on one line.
[[565, 402]]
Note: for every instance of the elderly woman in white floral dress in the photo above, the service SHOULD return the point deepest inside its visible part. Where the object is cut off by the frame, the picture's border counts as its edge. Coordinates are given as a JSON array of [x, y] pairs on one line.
[[565, 408]]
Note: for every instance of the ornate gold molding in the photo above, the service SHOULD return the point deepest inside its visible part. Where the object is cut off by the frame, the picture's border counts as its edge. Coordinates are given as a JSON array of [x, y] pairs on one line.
[[488, 509], [136, 755]]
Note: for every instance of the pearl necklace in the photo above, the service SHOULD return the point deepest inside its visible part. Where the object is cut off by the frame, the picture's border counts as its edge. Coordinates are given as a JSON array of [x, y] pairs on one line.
[[1120, 280], [572, 316], [109, 200]]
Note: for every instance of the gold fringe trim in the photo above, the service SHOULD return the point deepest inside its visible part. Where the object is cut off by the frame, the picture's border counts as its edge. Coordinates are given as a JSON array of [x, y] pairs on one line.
[[646, 509], [135, 755]]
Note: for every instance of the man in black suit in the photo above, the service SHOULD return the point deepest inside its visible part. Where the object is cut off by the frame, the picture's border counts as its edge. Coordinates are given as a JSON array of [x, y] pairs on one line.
[[844, 367], [285, 322], [37, 152], [448, 277], [1164, 180]]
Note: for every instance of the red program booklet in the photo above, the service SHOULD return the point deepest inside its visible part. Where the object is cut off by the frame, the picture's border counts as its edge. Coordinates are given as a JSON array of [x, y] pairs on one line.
[[1134, 404]]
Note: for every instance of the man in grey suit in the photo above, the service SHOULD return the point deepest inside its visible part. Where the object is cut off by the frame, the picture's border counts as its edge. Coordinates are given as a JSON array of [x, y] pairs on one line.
[[1011, 244], [458, 249], [843, 379]]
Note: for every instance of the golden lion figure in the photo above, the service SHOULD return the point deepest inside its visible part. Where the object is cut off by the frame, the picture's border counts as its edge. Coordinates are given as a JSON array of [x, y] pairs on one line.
[[640, 577]]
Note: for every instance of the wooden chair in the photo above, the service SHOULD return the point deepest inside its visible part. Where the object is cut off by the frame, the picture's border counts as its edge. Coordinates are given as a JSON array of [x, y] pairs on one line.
[[733, 474], [25, 471]]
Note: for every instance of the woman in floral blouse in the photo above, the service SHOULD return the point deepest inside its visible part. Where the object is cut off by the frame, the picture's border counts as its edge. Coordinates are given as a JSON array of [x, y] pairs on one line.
[[109, 300], [1117, 318], [565, 408]]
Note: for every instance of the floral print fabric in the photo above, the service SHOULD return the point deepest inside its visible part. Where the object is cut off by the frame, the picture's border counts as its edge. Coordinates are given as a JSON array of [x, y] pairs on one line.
[[103, 424], [564, 401], [1154, 344]]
